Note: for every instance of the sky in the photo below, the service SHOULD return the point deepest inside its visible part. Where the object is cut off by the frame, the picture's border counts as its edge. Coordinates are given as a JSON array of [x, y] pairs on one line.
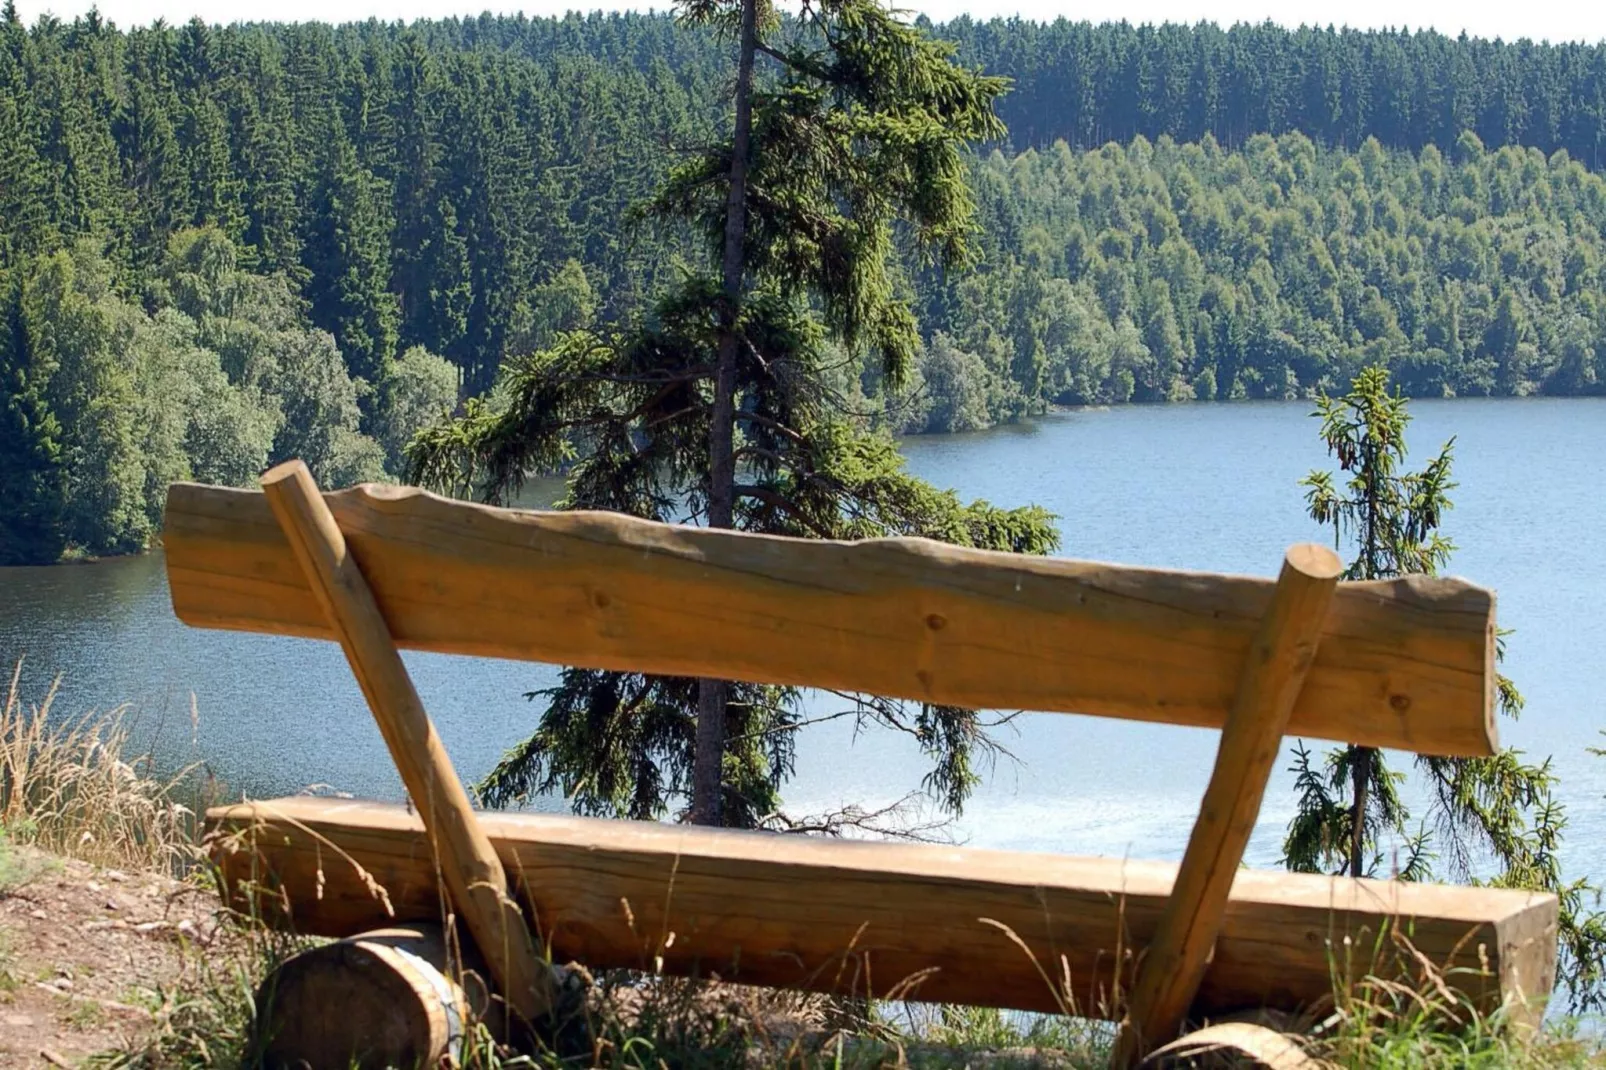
[[1553, 20]]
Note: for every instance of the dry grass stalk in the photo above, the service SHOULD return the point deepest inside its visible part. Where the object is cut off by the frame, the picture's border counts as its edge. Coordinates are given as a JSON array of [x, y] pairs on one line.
[[67, 785]]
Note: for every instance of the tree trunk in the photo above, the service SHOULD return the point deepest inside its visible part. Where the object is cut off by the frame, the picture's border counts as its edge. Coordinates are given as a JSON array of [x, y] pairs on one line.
[[707, 778], [1360, 777]]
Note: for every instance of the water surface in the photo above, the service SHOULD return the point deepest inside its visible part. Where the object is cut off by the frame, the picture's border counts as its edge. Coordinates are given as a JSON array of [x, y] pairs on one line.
[[1199, 486]]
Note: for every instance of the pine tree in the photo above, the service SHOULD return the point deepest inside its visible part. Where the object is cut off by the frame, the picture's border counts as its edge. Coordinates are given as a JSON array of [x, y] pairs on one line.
[[1393, 519], [416, 202], [718, 404], [485, 189], [32, 480], [268, 164], [25, 222], [1498, 810], [347, 251], [157, 176]]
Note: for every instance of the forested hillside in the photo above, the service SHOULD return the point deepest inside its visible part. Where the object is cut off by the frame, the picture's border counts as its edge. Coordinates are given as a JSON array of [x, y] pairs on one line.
[[223, 246], [1090, 84], [1167, 272]]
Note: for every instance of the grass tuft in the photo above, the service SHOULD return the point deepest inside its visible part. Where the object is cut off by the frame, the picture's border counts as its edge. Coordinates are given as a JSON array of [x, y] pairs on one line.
[[68, 786], [69, 789]]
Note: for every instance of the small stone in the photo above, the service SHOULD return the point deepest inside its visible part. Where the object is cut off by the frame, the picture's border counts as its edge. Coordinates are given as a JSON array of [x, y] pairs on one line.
[[112, 904], [95, 886], [187, 928], [145, 928], [115, 875]]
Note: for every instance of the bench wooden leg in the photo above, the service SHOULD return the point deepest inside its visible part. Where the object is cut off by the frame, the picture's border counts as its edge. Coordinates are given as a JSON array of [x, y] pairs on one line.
[[1274, 672], [473, 874]]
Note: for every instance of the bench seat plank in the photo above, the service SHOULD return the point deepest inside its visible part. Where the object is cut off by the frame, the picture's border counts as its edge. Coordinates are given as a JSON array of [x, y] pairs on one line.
[[850, 917]]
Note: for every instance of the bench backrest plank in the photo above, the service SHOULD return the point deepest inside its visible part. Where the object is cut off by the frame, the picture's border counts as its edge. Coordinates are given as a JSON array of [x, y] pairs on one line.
[[1402, 663]]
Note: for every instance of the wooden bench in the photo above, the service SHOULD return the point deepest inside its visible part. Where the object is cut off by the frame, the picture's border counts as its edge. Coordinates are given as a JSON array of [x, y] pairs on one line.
[[1402, 664]]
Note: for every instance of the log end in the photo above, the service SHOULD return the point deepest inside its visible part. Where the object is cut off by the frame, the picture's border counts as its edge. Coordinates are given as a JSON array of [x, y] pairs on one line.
[[384, 998]]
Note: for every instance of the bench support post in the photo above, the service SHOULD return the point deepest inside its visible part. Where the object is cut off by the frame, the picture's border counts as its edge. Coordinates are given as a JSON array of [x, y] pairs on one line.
[[1273, 673], [472, 872]]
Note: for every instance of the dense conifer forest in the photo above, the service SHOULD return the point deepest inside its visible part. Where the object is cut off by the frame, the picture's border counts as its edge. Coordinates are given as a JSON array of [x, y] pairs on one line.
[[223, 246]]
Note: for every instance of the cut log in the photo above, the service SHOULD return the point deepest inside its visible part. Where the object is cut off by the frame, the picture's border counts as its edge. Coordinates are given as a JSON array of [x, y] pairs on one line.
[[1405, 663], [885, 920], [392, 997]]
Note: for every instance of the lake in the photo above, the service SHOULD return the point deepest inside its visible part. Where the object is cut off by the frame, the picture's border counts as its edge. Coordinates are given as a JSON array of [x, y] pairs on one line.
[[1193, 486]]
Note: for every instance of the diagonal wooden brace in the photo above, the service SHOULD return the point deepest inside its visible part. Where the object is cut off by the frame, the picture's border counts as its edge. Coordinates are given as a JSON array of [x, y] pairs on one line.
[[473, 874], [1273, 674]]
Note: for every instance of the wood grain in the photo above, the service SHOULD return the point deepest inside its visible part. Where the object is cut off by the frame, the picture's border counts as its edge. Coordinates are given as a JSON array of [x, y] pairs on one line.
[[1272, 677], [857, 917], [467, 863], [379, 999], [1403, 663]]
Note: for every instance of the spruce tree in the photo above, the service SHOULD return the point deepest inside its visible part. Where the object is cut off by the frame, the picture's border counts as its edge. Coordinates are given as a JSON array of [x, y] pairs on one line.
[[25, 222], [347, 250], [156, 174], [269, 168], [716, 408], [32, 479], [1497, 811], [414, 121]]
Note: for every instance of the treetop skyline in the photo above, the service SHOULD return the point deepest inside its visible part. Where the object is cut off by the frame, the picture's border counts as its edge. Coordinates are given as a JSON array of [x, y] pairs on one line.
[[1555, 24]]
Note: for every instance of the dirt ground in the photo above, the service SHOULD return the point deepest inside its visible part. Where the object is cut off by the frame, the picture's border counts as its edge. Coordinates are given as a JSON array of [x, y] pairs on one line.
[[86, 954]]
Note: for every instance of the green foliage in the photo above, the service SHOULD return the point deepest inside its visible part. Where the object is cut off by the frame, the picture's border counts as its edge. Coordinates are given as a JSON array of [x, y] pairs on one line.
[[419, 390], [220, 378], [321, 413], [858, 127], [1392, 518], [954, 389], [462, 185], [1085, 83], [1156, 272], [863, 125], [31, 476], [620, 744], [623, 410], [76, 332], [195, 424], [347, 251], [1487, 816], [566, 302]]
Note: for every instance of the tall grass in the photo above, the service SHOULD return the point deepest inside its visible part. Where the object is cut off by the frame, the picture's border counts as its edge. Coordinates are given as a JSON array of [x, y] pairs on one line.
[[1393, 1025], [70, 785], [73, 786]]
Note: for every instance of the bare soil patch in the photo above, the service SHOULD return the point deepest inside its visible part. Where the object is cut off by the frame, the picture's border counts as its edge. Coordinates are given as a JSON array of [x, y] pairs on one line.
[[88, 955]]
